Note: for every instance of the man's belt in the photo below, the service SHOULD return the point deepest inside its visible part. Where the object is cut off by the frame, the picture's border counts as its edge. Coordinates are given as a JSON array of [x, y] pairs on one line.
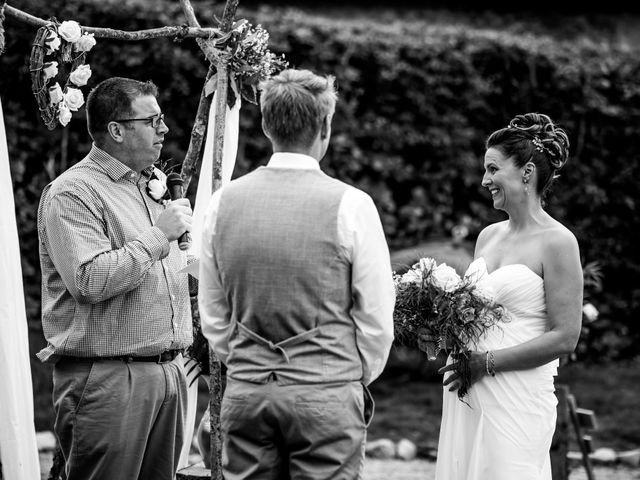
[[164, 357]]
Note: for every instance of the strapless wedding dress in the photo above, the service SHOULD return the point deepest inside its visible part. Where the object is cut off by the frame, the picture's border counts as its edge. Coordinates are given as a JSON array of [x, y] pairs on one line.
[[505, 431]]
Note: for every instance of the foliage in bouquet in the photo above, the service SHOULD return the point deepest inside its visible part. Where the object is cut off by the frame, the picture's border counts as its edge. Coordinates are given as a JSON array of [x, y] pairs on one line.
[[250, 61], [437, 310]]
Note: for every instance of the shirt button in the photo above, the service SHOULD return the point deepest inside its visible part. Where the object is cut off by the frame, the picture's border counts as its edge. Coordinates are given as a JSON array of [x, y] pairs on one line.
[[175, 325]]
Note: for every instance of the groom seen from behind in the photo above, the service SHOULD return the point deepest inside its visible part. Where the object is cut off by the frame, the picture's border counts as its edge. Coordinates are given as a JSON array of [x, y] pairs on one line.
[[296, 298]]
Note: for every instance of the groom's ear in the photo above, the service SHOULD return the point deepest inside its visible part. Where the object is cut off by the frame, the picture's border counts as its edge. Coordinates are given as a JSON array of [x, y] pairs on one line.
[[264, 130], [325, 128]]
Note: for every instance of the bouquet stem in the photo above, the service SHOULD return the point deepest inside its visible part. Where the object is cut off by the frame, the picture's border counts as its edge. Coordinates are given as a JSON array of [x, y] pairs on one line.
[[429, 344], [465, 374]]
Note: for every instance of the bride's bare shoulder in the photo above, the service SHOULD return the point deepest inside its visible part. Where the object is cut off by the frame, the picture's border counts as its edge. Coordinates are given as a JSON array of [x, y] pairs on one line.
[[491, 230], [555, 232], [487, 234], [557, 244]]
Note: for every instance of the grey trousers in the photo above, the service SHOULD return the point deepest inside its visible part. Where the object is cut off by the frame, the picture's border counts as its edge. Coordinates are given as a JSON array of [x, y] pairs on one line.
[[117, 420], [281, 432]]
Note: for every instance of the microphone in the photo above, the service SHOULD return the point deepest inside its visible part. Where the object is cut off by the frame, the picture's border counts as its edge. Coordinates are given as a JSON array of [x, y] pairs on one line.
[[174, 184]]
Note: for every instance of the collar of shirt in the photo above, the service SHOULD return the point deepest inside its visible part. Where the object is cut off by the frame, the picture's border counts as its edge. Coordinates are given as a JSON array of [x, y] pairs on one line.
[[293, 160], [111, 165]]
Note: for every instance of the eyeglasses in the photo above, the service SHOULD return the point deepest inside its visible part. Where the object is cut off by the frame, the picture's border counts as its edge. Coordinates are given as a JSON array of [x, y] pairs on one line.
[[154, 120]]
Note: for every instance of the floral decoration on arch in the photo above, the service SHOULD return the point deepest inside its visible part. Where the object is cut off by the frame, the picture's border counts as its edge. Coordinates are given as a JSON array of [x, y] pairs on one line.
[[250, 61], [58, 70]]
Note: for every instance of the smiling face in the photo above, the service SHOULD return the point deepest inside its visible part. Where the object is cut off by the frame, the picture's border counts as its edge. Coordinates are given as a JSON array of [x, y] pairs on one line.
[[142, 141], [504, 180]]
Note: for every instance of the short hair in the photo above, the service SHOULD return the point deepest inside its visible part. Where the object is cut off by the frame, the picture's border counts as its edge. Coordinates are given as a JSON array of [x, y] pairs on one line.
[[294, 104], [112, 99], [533, 137]]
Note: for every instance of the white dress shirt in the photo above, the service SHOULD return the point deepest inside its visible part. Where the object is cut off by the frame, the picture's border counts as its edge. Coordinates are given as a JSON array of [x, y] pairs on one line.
[[362, 238]]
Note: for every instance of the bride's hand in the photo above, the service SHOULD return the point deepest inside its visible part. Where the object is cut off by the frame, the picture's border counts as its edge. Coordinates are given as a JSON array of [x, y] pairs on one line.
[[477, 370]]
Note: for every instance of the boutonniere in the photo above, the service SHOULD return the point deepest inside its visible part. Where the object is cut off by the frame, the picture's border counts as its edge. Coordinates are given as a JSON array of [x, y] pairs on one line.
[[157, 186]]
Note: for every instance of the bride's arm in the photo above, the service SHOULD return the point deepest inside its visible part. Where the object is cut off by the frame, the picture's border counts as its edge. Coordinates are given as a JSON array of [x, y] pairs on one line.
[[563, 284]]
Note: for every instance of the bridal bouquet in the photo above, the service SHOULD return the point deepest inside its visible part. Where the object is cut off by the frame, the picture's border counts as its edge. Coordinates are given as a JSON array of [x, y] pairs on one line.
[[437, 310]]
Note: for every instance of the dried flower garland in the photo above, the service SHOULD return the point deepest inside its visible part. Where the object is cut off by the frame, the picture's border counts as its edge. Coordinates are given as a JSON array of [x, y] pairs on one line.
[[56, 46]]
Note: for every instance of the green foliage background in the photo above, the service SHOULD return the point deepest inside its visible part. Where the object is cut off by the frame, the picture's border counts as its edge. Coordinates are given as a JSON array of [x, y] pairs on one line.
[[417, 100]]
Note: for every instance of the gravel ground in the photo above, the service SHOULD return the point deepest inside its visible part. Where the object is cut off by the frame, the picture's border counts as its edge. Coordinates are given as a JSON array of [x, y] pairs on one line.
[[425, 470]]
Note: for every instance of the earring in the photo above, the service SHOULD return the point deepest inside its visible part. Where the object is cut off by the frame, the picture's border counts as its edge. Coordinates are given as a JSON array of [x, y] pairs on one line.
[[526, 185]]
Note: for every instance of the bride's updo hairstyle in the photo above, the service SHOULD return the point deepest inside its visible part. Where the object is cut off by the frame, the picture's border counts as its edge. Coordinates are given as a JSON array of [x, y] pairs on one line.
[[533, 137]]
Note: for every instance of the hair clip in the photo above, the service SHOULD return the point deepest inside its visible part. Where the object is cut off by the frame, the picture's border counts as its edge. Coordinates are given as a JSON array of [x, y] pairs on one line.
[[540, 147]]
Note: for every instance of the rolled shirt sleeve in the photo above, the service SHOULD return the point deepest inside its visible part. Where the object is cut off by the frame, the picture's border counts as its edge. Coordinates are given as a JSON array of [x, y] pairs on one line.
[[212, 302], [361, 234]]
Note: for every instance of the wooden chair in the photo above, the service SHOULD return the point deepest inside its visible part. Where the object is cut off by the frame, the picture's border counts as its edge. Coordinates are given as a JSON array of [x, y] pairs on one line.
[[571, 420]]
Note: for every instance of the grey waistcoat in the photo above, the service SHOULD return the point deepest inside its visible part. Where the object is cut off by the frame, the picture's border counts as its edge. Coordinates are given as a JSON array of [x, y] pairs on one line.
[[286, 278]]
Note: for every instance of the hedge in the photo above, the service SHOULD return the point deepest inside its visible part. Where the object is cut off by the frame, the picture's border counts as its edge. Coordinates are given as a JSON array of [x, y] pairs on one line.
[[416, 102]]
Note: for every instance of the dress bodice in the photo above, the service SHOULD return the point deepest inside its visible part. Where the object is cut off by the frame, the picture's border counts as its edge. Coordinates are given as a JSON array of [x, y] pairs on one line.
[[521, 292]]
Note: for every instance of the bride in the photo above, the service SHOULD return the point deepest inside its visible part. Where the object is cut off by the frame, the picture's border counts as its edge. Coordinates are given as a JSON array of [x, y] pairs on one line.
[[531, 262]]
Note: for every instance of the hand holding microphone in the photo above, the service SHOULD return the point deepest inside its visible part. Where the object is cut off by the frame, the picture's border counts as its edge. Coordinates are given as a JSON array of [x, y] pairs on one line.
[[176, 219]]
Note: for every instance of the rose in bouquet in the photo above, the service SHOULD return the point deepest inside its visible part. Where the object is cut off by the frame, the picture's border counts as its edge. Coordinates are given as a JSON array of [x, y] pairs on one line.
[[438, 310]]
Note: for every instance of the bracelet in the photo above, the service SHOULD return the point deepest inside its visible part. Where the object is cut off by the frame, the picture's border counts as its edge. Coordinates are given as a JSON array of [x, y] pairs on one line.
[[490, 363]]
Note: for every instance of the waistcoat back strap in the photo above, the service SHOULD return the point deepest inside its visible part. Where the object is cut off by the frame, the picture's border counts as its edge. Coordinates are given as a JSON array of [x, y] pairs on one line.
[[280, 346]]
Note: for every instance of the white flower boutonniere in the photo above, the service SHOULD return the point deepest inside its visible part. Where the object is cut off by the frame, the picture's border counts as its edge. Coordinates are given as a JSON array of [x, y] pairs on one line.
[[157, 186]]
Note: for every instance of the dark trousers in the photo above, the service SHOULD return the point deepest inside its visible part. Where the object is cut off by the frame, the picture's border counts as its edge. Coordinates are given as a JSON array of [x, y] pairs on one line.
[[118, 420], [279, 432]]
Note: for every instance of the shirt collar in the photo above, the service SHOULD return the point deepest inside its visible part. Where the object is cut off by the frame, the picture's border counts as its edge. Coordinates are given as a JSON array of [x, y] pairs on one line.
[[111, 165], [293, 160]]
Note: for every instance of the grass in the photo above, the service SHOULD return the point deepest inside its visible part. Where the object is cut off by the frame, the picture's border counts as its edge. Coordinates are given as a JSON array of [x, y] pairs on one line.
[[612, 392], [409, 401]]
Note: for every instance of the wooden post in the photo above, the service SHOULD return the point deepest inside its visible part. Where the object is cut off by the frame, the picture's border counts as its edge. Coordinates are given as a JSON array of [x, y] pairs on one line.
[[560, 442], [215, 402], [215, 386], [198, 131], [221, 115]]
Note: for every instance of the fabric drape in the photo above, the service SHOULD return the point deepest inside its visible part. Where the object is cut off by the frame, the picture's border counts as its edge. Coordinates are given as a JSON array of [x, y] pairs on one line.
[[203, 194], [18, 447]]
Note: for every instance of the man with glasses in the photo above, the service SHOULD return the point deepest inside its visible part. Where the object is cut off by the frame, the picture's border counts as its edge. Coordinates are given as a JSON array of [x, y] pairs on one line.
[[115, 312]]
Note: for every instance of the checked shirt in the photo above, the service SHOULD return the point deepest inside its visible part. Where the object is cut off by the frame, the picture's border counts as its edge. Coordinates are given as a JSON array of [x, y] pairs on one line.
[[109, 277]]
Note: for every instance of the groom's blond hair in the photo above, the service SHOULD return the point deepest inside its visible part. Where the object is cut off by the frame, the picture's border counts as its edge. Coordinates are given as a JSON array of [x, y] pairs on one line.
[[294, 104]]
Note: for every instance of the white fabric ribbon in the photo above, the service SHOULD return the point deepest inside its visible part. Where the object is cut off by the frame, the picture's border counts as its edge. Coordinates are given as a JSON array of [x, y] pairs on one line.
[[203, 194], [205, 177], [18, 447]]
